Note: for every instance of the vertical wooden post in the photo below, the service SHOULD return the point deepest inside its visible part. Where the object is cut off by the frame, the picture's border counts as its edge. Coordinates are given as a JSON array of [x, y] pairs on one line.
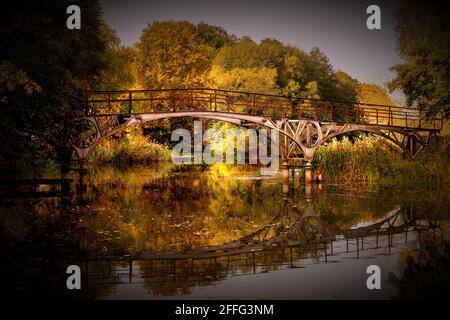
[[151, 101], [172, 100], [130, 109], [215, 100], [247, 104], [109, 102], [292, 108], [377, 240], [210, 102], [357, 248], [130, 269], [86, 109], [420, 118], [389, 116], [291, 258]]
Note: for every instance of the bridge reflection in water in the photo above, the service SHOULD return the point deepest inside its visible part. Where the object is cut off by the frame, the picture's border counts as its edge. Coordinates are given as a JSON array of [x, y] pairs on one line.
[[290, 246], [292, 239]]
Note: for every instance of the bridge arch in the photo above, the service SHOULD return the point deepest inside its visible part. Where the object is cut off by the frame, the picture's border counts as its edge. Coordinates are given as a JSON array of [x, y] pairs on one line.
[[306, 123], [404, 144], [92, 130]]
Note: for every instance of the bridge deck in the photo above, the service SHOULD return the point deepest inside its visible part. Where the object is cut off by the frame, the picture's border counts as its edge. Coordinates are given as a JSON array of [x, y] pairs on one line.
[[271, 106]]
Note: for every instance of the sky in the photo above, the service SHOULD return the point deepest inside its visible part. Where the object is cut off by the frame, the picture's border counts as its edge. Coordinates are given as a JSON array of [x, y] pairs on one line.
[[338, 28]]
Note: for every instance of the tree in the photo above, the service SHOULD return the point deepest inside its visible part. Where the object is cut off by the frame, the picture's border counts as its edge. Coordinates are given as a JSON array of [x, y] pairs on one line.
[[259, 80], [119, 72], [46, 72], [319, 69], [242, 54], [294, 76], [171, 55], [423, 36], [214, 36], [347, 87], [373, 94], [297, 73]]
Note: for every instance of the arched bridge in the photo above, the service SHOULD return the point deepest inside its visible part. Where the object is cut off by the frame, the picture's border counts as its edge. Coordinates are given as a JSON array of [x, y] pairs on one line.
[[304, 123]]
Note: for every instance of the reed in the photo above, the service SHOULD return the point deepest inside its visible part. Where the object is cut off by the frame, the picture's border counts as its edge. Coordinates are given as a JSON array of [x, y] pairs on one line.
[[374, 159], [133, 148]]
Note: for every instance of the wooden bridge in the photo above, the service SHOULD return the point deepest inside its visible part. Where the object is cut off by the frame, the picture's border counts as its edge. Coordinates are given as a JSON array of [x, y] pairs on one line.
[[304, 123]]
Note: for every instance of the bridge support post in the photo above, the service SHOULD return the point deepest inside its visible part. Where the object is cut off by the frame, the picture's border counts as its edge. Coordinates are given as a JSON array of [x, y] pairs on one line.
[[308, 172], [285, 176]]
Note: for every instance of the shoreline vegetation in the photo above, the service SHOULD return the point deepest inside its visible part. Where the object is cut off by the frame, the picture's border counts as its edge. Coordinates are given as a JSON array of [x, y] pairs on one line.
[[374, 159], [366, 158], [133, 148]]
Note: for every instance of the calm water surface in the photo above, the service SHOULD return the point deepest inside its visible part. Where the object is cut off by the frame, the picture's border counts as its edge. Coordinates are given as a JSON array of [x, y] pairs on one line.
[[220, 232]]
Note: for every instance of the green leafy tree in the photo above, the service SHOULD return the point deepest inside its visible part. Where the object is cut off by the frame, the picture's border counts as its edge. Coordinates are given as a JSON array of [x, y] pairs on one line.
[[311, 91], [259, 80], [242, 54], [423, 35], [374, 94], [119, 72], [346, 87], [214, 36], [298, 74], [319, 69], [171, 55], [46, 71]]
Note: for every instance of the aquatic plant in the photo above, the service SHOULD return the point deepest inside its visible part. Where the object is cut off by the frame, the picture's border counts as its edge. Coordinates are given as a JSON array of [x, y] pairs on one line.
[[370, 158]]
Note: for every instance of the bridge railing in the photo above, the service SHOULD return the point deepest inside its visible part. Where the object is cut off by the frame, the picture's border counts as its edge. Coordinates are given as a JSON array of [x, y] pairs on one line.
[[201, 99]]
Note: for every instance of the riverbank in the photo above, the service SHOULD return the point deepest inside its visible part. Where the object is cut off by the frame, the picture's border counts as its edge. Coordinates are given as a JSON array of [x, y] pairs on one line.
[[374, 159]]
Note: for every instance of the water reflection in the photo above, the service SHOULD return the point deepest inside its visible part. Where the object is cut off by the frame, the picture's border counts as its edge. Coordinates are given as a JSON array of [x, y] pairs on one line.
[[169, 230]]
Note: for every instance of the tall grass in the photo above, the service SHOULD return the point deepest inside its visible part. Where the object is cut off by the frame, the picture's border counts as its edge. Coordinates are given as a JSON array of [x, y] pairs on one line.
[[374, 159], [133, 148]]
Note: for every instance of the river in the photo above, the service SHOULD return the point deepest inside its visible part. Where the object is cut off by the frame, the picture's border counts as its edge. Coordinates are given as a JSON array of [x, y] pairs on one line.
[[221, 232]]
